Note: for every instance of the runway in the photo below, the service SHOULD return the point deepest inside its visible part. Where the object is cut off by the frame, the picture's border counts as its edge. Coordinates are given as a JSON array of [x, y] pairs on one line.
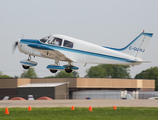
[[78, 103]]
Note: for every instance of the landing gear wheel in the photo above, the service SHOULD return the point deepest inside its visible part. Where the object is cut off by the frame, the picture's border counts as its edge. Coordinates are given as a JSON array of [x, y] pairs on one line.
[[68, 70], [25, 67], [53, 71]]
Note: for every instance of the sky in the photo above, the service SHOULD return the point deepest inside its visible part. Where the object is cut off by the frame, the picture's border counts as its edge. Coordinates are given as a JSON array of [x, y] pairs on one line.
[[113, 23]]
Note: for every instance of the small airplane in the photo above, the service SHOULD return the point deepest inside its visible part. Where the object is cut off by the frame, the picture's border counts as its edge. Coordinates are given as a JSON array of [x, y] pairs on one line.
[[72, 50], [6, 98]]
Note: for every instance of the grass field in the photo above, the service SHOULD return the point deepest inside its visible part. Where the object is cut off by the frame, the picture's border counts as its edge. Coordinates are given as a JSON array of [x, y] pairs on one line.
[[65, 113]]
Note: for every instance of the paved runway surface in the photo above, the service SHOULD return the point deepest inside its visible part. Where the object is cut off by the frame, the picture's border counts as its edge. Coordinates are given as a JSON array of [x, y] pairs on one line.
[[78, 103]]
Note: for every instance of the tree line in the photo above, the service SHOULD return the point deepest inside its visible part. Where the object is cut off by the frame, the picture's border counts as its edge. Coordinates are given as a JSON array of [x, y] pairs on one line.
[[30, 73], [99, 71]]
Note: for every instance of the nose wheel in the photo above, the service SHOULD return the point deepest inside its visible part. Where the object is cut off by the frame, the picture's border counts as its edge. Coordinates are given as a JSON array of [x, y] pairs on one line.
[[26, 64]]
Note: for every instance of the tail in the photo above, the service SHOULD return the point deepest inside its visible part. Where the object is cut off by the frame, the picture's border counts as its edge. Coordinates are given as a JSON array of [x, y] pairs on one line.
[[137, 47], [6, 98]]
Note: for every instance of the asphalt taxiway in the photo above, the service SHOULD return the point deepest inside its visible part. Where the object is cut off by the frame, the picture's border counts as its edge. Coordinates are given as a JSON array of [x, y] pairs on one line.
[[78, 103]]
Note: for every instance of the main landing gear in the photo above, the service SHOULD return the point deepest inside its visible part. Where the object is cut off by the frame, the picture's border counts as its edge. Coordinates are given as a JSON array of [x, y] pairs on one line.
[[53, 71], [55, 67], [68, 68]]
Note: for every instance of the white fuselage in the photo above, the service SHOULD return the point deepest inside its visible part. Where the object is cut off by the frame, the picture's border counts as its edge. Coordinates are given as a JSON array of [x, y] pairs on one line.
[[83, 52]]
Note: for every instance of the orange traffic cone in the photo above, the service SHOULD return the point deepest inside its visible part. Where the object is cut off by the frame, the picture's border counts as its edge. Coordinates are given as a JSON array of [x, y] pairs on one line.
[[114, 107], [90, 108], [72, 108], [29, 108], [6, 111]]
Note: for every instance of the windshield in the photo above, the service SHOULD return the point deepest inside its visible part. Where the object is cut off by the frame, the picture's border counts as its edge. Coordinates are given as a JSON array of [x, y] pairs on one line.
[[43, 40]]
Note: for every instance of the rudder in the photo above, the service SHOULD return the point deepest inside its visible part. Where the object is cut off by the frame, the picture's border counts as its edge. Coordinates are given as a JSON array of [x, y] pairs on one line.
[[138, 46]]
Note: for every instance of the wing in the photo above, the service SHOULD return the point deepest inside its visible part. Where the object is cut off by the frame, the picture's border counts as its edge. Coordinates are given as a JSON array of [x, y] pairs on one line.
[[49, 51]]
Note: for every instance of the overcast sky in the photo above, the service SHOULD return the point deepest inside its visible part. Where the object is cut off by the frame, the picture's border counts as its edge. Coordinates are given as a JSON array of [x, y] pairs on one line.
[[112, 23]]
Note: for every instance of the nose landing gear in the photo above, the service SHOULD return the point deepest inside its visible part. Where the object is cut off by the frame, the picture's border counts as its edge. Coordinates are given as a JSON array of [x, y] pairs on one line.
[[27, 63]]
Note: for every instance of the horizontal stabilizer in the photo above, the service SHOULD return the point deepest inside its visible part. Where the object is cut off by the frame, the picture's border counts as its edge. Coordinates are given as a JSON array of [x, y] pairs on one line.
[[145, 61]]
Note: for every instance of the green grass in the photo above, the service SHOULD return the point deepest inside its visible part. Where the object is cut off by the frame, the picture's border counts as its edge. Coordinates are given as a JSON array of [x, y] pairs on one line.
[[65, 113]]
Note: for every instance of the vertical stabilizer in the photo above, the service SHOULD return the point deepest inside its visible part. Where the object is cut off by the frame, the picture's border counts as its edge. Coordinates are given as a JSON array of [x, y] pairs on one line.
[[137, 47], [6, 98]]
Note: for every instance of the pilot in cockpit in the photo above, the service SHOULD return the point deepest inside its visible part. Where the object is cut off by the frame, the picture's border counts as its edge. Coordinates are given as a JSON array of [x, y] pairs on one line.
[[56, 42]]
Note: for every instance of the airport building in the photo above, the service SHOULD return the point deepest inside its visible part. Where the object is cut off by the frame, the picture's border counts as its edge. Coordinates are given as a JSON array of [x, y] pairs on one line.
[[68, 88]]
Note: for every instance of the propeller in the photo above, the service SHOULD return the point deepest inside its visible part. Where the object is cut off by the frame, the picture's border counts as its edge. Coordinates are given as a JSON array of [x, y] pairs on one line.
[[15, 46], [16, 43]]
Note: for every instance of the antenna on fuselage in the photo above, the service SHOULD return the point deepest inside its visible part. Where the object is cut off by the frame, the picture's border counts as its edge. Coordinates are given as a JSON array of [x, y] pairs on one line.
[[92, 36]]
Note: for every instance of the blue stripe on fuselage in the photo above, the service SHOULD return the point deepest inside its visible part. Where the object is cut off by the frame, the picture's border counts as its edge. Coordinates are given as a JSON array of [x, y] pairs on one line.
[[38, 45], [27, 41]]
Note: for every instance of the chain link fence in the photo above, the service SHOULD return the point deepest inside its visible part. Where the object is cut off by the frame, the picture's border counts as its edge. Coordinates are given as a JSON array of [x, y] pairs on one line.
[[97, 96], [116, 96], [89, 96]]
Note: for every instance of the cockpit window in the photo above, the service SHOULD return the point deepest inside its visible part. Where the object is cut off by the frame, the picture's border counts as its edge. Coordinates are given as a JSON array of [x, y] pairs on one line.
[[56, 41], [43, 40], [68, 44]]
